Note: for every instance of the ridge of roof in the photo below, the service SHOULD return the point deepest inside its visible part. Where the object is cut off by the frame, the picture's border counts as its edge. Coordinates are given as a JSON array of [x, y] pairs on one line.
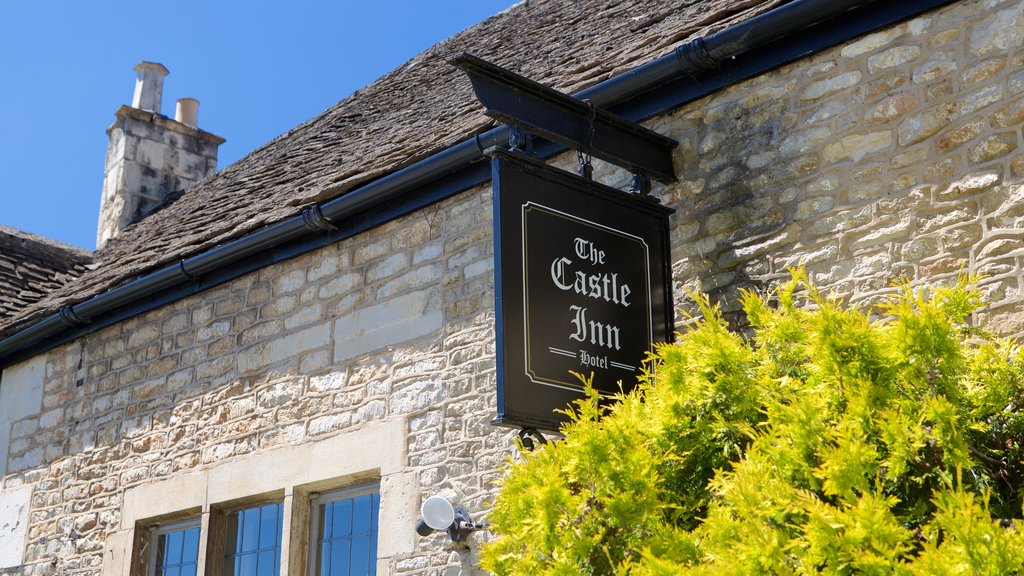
[[10, 234], [420, 108]]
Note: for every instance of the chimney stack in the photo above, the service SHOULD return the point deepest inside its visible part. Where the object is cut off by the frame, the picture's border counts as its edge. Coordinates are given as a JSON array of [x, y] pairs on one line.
[[151, 156]]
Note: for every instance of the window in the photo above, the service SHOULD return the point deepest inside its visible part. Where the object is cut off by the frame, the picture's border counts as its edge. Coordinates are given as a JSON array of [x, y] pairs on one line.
[[253, 541], [294, 530], [176, 549], [344, 532]]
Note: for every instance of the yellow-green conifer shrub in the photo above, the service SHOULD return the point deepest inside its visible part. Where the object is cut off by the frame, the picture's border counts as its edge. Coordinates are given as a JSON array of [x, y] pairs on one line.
[[828, 440]]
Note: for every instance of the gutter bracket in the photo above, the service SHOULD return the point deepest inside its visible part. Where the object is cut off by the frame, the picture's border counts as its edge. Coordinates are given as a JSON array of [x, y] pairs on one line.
[[185, 272], [694, 59], [315, 220], [70, 318]]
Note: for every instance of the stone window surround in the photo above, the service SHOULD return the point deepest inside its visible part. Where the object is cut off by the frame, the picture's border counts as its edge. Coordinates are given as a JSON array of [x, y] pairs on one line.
[[375, 452]]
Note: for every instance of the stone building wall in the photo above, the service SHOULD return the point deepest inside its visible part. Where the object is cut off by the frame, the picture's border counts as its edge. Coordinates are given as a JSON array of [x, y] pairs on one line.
[[394, 326], [896, 156], [893, 156]]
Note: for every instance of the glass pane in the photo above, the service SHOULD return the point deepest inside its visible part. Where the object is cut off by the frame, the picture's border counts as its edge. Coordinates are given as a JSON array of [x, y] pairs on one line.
[[190, 550], [339, 558], [247, 565], [250, 529], [188, 570], [230, 566], [268, 527], [267, 564], [172, 571], [161, 552], [360, 556], [325, 560], [232, 538], [361, 514], [255, 551], [342, 518], [173, 548], [326, 517], [375, 506]]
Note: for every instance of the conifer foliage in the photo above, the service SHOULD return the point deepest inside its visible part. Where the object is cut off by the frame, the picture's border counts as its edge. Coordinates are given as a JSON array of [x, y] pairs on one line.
[[827, 440]]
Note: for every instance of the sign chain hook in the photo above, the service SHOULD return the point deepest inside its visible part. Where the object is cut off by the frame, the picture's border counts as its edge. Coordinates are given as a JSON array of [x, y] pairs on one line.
[[586, 168]]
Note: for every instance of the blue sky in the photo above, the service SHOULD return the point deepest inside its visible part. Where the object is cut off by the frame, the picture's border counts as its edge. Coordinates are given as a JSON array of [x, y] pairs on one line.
[[257, 68]]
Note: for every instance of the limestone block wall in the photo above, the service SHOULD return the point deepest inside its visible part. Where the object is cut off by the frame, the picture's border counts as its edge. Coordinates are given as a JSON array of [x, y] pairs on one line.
[[391, 330], [895, 156]]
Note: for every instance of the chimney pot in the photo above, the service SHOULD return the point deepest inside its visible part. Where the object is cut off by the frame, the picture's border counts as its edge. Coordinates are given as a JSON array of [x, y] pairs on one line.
[[149, 86], [187, 112]]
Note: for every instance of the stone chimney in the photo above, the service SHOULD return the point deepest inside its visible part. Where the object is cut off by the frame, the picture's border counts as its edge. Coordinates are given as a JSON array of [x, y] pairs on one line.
[[151, 156]]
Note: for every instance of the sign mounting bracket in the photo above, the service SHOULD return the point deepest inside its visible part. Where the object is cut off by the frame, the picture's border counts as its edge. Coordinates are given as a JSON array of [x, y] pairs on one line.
[[518, 101]]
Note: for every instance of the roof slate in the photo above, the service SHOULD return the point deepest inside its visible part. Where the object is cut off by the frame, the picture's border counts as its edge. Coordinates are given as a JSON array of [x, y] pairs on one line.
[[419, 109], [32, 266]]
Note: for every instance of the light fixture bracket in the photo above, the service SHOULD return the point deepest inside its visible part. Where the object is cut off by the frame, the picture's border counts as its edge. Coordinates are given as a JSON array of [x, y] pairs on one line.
[[461, 525]]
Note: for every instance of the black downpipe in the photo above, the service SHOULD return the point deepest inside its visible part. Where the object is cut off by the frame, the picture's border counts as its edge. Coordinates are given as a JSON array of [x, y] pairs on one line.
[[692, 59]]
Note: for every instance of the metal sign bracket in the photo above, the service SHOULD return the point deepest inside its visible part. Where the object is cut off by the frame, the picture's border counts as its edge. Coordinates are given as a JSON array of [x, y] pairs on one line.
[[574, 123]]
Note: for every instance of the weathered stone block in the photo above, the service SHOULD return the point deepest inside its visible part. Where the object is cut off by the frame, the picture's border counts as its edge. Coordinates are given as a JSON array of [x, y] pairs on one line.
[[998, 32], [813, 207], [982, 71], [340, 285], [938, 66], [388, 323], [992, 147], [880, 234], [958, 238], [305, 316], [871, 42], [330, 423], [832, 85], [1010, 115], [920, 126], [283, 348], [919, 249], [805, 141], [289, 282], [996, 248], [892, 107], [388, 267], [892, 57], [857, 146], [417, 396], [978, 100], [372, 251], [960, 135]]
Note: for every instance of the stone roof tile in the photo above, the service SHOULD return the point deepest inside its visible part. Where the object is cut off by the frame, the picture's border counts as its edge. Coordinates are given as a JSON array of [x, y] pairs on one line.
[[32, 267]]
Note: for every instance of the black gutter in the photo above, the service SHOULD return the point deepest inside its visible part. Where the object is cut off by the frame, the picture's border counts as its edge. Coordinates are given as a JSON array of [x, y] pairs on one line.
[[691, 71]]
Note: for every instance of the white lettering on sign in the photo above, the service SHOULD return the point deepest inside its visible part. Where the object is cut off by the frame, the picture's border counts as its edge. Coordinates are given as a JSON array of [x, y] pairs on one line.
[[598, 333], [599, 285], [585, 251]]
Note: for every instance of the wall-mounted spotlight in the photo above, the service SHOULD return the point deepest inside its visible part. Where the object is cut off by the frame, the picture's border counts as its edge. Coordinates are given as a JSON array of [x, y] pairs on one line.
[[437, 513]]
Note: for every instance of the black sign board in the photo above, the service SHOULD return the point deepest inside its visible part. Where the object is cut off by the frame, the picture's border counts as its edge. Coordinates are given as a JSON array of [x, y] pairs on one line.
[[582, 280]]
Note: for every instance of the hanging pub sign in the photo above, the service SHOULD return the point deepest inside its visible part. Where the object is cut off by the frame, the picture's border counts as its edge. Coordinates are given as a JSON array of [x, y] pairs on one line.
[[582, 280]]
